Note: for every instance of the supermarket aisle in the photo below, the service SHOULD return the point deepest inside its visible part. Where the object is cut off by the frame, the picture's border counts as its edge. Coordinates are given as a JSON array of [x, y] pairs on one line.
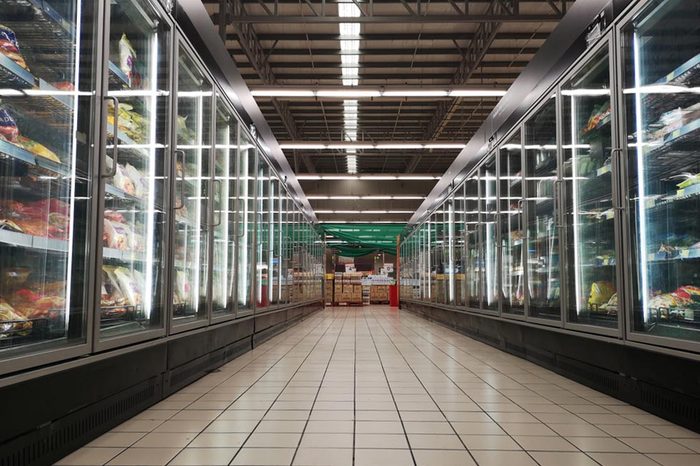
[[372, 386]]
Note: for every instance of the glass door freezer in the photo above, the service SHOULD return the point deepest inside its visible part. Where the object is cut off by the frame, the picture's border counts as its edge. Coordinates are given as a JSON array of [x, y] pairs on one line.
[[47, 103], [133, 172], [660, 81]]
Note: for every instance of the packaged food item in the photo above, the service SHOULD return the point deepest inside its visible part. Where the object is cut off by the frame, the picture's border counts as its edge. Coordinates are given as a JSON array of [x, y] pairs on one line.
[[11, 321], [8, 126], [131, 123], [9, 46], [116, 236], [601, 292], [127, 57], [112, 296], [123, 182], [64, 86], [185, 135], [139, 182], [128, 285], [37, 149]]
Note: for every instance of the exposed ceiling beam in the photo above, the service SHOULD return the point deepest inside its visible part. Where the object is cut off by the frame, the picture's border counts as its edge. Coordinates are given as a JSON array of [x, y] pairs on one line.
[[396, 36], [412, 18], [380, 75], [387, 51]]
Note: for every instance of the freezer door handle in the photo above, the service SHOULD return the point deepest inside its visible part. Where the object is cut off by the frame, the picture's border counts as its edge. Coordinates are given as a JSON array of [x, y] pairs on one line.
[[115, 137], [182, 178], [218, 191]]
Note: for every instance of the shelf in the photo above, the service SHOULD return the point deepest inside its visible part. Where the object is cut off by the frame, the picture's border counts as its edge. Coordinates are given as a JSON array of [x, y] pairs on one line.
[[24, 240], [124, 256], [15, 152], [680, 76], [601, 124], [679, 254], [682, 72], [685, 134], [118, 193], [117, 76], [690, 192]]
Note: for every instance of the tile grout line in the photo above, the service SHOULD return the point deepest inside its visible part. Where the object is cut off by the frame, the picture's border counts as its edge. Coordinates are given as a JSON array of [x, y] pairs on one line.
[[403, 427], [320, 386]]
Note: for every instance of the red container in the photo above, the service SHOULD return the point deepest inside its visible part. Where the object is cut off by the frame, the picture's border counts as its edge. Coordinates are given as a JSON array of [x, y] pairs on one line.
[[393, 295]]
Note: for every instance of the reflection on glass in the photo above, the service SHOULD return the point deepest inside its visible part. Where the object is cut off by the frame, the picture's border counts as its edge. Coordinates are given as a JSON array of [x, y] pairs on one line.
[[246, 223], [224, 219], [472, 221], [661, 64], [542, 225], [588, 167], [45, 186], [262, 231], [275, 238], [134, 217], [510, 183], [193, 151], [487, 229]]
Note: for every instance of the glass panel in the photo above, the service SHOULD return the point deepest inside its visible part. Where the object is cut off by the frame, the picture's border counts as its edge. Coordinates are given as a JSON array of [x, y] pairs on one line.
[[246, 223], [472, 273], [190, 243], [542, 225], [45, 186], [488, 260], [225, 189], [275, 247], [262, 231], [661, 62], [459, 248], [134, 218], [510, 183], [433, 258], [590, 239]]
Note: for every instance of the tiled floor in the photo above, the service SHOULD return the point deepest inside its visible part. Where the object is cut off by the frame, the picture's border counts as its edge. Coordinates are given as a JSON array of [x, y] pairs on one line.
[[373, 386]]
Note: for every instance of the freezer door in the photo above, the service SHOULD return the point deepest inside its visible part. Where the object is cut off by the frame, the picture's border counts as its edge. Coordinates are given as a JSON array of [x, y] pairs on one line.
[[660, 79], [224, 220], [190, 274], [589, 170], [46, 185], [133, 173]]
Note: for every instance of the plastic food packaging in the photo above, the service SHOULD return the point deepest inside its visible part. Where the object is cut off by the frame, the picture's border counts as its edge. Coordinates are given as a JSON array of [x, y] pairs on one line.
[[601, 292], [116, 235], [128, 285], [127, 58], [9, 46], [8, 126]]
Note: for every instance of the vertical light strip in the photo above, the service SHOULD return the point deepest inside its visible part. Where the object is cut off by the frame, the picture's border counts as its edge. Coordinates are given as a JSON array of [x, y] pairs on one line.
[[576, 223], [147, 297], [450, 249], [350, 66], [194, 296], [641, 182]]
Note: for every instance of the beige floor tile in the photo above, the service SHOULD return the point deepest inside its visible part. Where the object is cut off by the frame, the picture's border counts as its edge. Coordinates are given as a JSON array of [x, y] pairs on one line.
[[422, 416], [600, 445], [525, 428], [204, 456], [380, 441], [543, 443], [323, 457], [89, 456], [286, 415], [443, 458], [490, 442], [464, 416], [434, 442], [377, 415], [675, 460], [323, 415], [623, 430], [478, 428], [238, 425], [196, 415], [326, 441], [673, 431], [378, 427], [218, 440], [552, 458], [165, 440], [577, 430], [135, 425], [428, 428], [241, 414], [270, 440], [656, 445], [264, 457], [280, 426], [502, 458], [155, 414], [145, 456], [182, 426], [382, 457], [514, 417], [690, 443], [116, 439], [622, 459], [330, 426]]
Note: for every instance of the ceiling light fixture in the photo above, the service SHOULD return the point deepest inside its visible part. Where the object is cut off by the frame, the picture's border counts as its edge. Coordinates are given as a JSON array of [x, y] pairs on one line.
[[350, 78], [367, 146]]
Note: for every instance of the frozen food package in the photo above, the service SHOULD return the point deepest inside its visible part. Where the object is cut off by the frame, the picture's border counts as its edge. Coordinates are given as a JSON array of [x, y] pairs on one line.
[[601, 292], [182, 287], [9, 46], [140, 187], [127, 57], [37, 149], [123, 182], [8, 126], [116, 235], [128, 285]]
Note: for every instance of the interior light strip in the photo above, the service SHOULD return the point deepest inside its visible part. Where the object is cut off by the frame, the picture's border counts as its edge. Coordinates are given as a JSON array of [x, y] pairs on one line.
[[341, 93], [381, 146], [367, 177]]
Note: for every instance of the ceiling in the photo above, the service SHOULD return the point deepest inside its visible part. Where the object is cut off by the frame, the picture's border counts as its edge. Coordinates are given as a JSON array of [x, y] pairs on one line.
[[439, 44]]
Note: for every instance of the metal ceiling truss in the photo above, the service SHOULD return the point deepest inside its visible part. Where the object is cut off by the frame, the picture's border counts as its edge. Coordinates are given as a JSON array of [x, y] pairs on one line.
[[415, 12], [258, 58]]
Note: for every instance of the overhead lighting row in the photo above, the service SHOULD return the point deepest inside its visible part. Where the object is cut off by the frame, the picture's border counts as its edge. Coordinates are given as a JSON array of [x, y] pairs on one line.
[[364, 211], [366, 198], [376, 93], [367, 177], [366, 146]]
